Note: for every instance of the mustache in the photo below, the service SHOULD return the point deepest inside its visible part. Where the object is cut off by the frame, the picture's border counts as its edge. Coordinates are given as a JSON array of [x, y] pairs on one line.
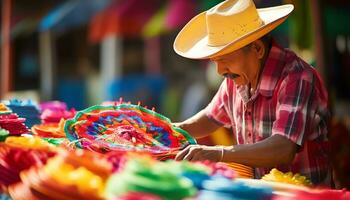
[[231, 76]]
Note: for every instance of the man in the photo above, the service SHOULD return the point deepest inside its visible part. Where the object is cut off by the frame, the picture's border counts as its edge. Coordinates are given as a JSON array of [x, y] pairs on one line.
[[274, 102]]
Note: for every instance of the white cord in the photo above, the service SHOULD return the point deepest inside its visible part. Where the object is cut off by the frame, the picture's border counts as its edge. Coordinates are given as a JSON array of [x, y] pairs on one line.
[[222, 153]]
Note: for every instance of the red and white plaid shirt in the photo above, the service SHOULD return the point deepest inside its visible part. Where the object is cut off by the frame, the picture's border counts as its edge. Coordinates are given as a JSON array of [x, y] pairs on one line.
[[291, 101]]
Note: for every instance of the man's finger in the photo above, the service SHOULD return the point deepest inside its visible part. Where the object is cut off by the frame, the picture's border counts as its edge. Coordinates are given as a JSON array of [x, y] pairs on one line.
[[198, 157], [192, 152], [182, 153]]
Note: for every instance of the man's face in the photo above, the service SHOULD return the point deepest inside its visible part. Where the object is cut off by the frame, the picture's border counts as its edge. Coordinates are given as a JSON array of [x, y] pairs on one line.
[[242, 65]]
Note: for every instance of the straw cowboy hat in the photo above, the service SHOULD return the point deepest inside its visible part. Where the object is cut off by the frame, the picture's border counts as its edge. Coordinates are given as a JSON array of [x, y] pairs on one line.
[[226, 27]]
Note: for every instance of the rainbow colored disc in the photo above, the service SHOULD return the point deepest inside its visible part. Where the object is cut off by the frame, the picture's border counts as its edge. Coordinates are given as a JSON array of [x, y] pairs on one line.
[[125, 127]]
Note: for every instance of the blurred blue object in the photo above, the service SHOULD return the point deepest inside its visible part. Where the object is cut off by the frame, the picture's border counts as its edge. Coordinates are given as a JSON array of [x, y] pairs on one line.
[[72, 92], [26, 109], [71, 14], [4, 197], [147, 89]]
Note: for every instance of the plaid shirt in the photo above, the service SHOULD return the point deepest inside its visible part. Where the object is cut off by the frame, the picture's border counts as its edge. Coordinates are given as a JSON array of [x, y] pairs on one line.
[[291, 101]]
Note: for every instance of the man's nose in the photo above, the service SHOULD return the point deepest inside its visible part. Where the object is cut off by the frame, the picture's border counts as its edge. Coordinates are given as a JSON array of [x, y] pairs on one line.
[[221, 69]]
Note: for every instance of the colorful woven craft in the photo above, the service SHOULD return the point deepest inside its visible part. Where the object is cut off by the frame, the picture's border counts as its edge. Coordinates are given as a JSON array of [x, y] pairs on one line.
[[125, 127], [13, 124], [69, 175]]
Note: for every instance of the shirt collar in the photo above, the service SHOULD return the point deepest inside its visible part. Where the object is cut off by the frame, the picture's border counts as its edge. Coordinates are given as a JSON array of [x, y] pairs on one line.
[[272, 70]]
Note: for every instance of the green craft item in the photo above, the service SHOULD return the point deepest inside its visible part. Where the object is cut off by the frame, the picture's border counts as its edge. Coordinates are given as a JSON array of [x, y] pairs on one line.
[[5, 112], [3, 134], [54, 141], [158, 179]]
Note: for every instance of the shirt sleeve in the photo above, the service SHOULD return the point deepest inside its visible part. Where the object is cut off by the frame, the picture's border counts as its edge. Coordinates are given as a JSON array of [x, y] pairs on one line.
[[216, 109], [294, 106]]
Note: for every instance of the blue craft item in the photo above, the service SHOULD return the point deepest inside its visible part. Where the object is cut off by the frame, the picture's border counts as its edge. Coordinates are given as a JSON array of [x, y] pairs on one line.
[[4, 197], [26, 109], [220, 187], [196, 178]]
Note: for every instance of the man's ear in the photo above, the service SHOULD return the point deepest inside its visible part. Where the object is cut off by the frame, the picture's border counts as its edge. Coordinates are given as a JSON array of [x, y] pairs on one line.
[[259, 48]]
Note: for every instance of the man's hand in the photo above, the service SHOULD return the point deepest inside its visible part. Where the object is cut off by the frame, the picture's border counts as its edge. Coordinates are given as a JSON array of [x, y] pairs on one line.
[[201, 152]]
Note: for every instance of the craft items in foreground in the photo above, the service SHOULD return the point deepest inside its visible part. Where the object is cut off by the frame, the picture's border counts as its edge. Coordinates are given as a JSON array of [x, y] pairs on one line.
[[3, 134], [242, 171], [20, 153], [49, 116], [169, 180], [289, 177], [125, 127], [52, 105], [82, 174], [50, 130], [53, 118], [4, 109], [326, 194], [26, 109], [11, 122], [218, 187], [141, 175], [68, 175]]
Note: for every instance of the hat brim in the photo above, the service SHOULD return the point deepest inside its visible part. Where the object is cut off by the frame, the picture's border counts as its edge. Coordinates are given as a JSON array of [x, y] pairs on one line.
[[192, 40]]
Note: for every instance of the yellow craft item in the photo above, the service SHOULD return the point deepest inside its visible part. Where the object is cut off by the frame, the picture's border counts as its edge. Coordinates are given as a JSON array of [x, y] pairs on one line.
[[242, 170], [85, 180], [66, 174], [221, 136], [289, 177], [4, 108], [28, 142]]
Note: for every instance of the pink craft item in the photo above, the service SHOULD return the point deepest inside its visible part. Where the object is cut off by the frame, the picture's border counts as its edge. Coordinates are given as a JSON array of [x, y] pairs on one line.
[[317, 194], [138, 196]]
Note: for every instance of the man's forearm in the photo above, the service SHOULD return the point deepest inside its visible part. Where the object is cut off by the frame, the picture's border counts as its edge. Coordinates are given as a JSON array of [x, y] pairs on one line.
[[270, 152], [198, 125]]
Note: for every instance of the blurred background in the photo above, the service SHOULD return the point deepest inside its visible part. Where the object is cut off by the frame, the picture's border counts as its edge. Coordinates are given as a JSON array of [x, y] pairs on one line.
[[84, 52]]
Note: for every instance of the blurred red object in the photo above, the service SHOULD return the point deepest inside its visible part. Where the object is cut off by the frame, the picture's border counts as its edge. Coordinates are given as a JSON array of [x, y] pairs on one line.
[[13, 160], [316, 195], [54, 116], [138, 196]]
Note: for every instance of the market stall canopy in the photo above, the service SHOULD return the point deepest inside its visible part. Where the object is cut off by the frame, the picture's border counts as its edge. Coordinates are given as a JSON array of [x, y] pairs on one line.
[[71, 14], [123, 17], [174, 19]]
